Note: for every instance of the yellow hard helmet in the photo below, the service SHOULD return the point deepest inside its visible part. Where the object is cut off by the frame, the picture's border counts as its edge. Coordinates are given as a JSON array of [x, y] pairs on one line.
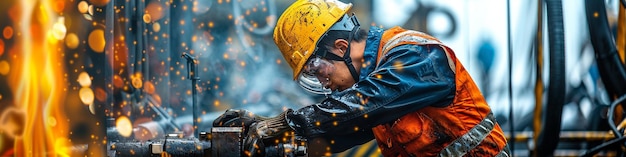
[[302, 25]]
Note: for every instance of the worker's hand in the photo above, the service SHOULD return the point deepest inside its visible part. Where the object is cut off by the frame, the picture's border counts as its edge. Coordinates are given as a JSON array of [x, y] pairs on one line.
[[236, 118], [265, 129], [253, 143]]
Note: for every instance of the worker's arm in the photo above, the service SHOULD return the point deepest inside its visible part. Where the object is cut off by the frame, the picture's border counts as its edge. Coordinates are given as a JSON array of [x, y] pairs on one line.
[[408, 78]]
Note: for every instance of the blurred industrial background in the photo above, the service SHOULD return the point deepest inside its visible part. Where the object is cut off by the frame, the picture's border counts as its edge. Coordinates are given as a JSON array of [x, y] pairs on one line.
[[76, 75]]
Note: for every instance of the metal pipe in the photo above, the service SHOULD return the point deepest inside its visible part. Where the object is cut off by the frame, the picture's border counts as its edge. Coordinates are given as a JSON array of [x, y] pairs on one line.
[[510, 47], [192, 71], [154, 127]]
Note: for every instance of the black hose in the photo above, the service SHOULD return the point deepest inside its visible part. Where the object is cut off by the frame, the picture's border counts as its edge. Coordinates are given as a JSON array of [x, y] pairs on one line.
[[612, 71], [548, 139], [591, 152], [610, 116]]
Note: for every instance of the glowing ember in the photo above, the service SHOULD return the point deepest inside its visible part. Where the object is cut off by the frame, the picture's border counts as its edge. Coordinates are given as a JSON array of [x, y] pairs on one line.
[[96, 40], [87, 17], [4, 68], [1, 47], [124, 126], [86, 95], [149, 87], [92, 108], [136, 81], [71, 41], [7, 32], [155, 10], [398, 65], [51, 121], [84, 80], [90, 10], [157, 98], [58, 6], [58, 29], [156, 27], [83, 7], [99, 2], [100, 94], [117, 81], [147, 18]]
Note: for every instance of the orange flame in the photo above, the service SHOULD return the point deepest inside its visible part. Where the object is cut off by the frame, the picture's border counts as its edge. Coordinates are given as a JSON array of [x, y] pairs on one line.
[[37, 81]]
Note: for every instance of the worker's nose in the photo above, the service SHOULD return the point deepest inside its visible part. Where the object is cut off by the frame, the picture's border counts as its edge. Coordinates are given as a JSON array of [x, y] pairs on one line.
[[324, 80]]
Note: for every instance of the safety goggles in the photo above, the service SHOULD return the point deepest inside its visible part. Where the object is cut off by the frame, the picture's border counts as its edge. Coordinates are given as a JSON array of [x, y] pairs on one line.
[[315, 75]]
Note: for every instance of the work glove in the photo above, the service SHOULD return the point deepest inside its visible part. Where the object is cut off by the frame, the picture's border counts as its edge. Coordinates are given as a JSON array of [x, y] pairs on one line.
[[262, 130], [237, 118]]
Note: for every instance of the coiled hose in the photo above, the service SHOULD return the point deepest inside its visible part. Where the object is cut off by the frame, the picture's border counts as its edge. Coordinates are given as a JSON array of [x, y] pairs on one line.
[[548, 138]]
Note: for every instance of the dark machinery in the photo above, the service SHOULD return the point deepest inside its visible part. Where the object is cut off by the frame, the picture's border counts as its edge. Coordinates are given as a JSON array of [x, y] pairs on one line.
[[222, 141]]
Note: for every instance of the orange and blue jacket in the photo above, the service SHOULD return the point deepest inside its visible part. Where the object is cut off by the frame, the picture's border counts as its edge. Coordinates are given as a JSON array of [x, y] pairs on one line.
[[414, 97]]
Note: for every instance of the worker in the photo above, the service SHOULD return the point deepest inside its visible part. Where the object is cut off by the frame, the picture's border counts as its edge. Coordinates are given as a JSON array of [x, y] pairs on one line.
[[401, 87]]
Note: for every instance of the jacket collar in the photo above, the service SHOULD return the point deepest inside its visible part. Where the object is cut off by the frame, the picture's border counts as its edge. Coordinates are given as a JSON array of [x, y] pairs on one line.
[[371, 51]]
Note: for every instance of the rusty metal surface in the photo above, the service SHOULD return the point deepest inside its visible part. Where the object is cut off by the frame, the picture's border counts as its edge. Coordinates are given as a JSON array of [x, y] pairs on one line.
[[171, 147], [227, 141]]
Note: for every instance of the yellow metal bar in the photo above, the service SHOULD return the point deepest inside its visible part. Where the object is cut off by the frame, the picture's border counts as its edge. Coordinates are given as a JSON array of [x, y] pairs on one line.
[[361, 150], [566, 136], [576, 153], [537, 121], [366, 147]]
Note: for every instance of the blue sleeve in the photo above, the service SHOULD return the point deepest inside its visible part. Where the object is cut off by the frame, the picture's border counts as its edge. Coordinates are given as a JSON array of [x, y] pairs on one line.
[[408, 78]]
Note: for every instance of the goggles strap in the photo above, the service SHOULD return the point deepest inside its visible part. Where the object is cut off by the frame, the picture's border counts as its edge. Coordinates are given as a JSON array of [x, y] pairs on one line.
[[346, 57]]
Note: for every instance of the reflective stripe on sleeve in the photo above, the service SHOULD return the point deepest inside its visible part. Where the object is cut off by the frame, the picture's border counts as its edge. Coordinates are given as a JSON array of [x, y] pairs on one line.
[[471, 139]]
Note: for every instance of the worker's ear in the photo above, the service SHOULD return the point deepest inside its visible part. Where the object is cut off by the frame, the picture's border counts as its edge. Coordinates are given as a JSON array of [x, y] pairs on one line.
[[342, 45]]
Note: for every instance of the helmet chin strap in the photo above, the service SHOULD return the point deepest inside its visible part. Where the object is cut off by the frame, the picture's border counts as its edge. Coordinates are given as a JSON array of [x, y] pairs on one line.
[[348, 60], [346, 56]]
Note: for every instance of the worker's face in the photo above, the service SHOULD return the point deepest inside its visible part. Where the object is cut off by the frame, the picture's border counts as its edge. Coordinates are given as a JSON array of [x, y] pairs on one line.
[[333, 75], [341, 79], [322, 69]]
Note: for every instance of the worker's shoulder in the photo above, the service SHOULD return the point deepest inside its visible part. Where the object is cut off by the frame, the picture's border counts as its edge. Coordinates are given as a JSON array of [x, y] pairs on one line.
[[396, 37]]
